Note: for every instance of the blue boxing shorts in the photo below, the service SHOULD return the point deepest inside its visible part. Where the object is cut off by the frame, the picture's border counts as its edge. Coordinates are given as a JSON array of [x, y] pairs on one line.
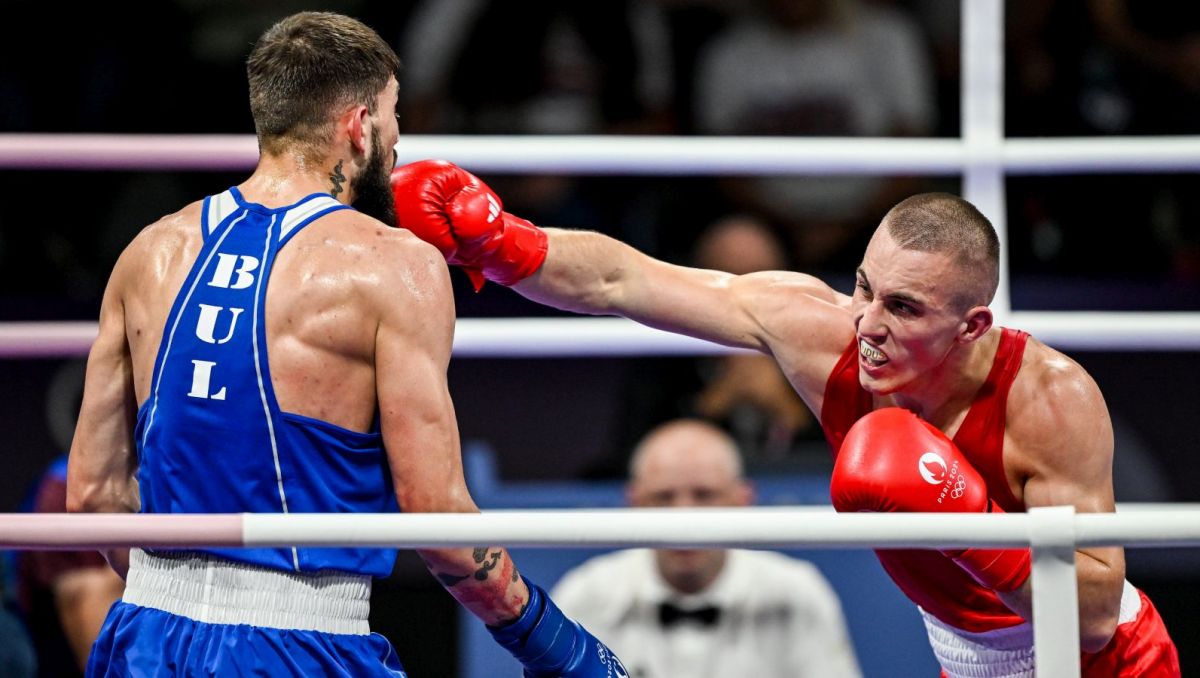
[[193, 614]]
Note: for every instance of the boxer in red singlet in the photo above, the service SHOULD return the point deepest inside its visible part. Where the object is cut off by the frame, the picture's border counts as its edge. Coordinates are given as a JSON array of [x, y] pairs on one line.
[[927, 405]]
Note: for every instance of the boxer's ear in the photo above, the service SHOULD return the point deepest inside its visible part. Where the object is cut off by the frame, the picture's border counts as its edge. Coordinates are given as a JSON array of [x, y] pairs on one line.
[[977, 322], [354, 123]]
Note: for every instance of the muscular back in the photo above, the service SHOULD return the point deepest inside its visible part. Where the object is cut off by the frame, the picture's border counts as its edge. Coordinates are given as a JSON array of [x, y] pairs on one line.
[[322, 307]]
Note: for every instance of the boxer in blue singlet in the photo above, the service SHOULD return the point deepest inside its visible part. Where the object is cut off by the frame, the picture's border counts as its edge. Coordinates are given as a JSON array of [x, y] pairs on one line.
[[272, 349]]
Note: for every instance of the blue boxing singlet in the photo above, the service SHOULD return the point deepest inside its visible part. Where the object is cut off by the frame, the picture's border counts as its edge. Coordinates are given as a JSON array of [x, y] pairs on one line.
[[211, 437]]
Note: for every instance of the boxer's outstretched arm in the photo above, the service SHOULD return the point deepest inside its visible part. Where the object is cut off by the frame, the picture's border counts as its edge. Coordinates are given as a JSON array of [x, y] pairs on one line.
[[420, 431], [587, 272], [1060, 423], [591, 273], [102, 468]]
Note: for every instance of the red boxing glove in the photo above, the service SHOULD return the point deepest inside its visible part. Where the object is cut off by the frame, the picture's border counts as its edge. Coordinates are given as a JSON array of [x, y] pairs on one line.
[[453, 210], [894, 461]]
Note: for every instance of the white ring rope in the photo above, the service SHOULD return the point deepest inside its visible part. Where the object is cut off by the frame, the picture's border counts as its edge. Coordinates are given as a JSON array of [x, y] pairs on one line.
[[617, 337], [637, 155], [1178, 526], [982, 157]]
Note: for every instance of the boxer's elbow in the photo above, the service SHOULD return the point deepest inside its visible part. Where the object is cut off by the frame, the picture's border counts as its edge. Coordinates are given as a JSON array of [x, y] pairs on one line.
[[1098, 617], [100, 496], [85, 497], [1097, 629], [418, 499], [1101, 587]]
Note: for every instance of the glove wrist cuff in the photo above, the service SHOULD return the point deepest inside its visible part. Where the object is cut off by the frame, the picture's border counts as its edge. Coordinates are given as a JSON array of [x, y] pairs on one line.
[[520, 251]]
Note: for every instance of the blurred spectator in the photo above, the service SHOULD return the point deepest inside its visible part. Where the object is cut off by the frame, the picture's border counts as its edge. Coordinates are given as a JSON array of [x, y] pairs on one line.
[[684, 613], [17, 657], [525, 67], [690, 25], [941, 24], [542, 67], [1107, 67], [747, 393], [1157, 60], [64, 594], [818, 68], [1156, 66]]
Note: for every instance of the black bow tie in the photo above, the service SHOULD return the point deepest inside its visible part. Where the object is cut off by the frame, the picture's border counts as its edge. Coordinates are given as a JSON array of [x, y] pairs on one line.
[[670, 614]]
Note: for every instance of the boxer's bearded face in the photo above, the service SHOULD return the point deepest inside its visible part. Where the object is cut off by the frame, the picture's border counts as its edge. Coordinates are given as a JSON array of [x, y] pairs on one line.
[[905, 318], [372, 188]]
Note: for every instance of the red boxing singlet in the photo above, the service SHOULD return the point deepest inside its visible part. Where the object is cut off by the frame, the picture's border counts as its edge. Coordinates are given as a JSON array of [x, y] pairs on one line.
[[1140, 647], [927, 577]]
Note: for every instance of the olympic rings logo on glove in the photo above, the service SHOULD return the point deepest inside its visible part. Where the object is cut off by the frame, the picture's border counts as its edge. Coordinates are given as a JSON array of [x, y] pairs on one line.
[[960, 487]]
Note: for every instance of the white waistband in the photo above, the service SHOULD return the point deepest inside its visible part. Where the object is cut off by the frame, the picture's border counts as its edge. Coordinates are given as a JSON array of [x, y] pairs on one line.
[[1001, 653], [213, 590]]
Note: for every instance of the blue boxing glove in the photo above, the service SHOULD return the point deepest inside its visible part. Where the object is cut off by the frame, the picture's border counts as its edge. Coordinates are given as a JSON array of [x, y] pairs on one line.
[[548, 643]]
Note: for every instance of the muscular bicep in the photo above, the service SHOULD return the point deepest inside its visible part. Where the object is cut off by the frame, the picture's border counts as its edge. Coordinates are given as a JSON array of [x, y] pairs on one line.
[[1065, 438], [412, 351], [413, 345], [103, 457], [1070, 445]]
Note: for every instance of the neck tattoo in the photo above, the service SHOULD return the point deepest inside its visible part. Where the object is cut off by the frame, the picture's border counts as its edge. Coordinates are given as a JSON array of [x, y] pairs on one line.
[[337, 178]]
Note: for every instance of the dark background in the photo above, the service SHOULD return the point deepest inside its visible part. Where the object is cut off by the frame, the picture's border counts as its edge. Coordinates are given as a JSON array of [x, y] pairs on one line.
[[1106, 242]]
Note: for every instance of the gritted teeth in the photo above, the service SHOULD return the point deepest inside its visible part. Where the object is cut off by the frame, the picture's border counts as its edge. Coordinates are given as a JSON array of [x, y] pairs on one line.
[[870, 352]]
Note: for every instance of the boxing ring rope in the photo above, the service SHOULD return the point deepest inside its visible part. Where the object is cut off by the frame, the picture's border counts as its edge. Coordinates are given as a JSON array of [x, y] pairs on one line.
[[618, 337], [636, 155], [774, 527], [983, 157], [1052, 533]]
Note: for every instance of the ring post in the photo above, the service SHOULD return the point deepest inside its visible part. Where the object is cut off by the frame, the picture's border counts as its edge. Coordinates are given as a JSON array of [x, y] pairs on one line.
[[1055, 591]]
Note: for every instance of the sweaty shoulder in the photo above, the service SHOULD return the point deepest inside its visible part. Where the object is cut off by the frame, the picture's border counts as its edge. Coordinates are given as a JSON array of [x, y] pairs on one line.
[[1050, 386], [146, 279], [807, 325], [385, 260], [1056, 416], [165, 243]]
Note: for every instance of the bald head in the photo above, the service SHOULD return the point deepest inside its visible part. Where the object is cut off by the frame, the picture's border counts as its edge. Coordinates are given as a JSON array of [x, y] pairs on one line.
[[687, 462], [740, 244]]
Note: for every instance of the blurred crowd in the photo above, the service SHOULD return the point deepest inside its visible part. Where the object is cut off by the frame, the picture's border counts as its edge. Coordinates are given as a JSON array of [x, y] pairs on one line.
[[684, 67], [788, 68], [880, 68]]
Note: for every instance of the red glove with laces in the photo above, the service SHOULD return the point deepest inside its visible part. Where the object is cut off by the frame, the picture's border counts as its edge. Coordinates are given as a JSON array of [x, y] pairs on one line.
[[894, 461], [453, 210]]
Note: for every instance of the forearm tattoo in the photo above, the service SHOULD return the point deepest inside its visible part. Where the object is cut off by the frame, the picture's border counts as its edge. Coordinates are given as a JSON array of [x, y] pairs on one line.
[[486, 561]]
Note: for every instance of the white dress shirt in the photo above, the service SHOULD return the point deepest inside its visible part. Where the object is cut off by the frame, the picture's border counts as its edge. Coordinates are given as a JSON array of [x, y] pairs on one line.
[[778, 618]]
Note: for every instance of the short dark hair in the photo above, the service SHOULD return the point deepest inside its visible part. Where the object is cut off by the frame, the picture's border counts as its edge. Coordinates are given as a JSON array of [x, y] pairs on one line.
[[305, 67], [941, 222]]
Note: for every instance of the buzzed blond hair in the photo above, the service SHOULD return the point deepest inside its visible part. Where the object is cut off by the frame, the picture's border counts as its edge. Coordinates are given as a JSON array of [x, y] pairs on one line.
[[945, 223]]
